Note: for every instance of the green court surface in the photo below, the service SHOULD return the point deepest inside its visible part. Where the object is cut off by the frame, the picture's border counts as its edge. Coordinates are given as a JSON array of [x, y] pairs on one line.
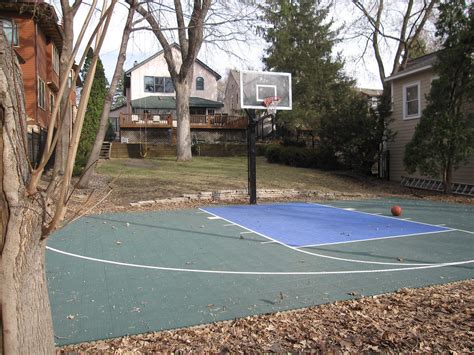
[[127, 273]]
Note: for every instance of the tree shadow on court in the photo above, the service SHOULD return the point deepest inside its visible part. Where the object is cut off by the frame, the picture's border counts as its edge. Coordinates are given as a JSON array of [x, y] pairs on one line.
[[207, 234]]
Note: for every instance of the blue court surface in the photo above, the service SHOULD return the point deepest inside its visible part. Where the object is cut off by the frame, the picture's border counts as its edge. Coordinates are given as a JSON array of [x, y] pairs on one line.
[[309, 224]]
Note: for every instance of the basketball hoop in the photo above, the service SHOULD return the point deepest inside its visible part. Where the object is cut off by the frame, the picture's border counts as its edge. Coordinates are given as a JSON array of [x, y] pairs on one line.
[[271, 104]]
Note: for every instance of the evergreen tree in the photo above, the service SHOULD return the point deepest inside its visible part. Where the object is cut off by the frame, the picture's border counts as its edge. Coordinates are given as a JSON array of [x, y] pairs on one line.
[[444, 138], [351, 135], [301, 43], [119, 98], [94, 110]]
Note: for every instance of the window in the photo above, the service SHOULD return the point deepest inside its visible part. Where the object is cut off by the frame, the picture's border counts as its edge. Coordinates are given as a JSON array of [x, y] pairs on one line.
[[158, 84], [411, 101], [55, 60], [51, 102], [11, 31], [41, 92], [199, 83]]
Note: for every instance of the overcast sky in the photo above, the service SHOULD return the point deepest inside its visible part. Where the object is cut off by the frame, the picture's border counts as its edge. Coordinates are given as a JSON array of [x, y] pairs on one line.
[[247, 55]]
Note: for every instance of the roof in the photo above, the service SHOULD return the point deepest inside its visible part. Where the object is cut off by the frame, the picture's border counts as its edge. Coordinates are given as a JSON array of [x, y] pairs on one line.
[[175, 45], [44, 14], [416, 65], [370, 92], [169, 103]]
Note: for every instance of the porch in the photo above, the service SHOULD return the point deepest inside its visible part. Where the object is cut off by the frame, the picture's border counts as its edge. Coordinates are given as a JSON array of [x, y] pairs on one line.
[[150, 121]]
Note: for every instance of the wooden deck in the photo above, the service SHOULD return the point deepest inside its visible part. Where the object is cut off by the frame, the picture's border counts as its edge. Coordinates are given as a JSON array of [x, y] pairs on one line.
[[197, 121]]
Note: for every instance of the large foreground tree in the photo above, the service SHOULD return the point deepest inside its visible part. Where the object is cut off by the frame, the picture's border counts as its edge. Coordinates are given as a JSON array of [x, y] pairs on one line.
[[301, 41], [31, 208], [444, 138], [112, 98]]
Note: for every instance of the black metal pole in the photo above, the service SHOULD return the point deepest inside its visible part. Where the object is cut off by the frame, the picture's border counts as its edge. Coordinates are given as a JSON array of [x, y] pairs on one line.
[[252, 154]]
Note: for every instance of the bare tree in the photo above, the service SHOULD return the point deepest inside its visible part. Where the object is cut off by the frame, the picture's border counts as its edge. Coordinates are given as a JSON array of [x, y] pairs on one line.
[[104, 119], [32, 209], [192, 23], [395, 24]]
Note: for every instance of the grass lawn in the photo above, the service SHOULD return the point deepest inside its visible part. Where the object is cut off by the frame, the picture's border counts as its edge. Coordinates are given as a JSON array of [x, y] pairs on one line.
[[144, 179]]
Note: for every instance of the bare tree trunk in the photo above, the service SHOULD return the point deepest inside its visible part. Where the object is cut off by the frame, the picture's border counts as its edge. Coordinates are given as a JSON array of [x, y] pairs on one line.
[[448, 177], [26, 322], [183, 144], [190, 41], [104, 119], [26, 313], [66, 111]]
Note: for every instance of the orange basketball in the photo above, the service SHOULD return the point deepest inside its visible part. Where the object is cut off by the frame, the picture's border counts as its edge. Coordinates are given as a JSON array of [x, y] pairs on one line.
[[396, 210]]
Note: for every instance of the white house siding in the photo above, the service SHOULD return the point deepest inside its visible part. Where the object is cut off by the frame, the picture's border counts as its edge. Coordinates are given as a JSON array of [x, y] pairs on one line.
[[158, 67], [232, 92], [405, 128]]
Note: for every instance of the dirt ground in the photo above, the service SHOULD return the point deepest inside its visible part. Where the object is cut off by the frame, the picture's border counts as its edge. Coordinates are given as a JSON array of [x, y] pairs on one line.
[[431, 319]]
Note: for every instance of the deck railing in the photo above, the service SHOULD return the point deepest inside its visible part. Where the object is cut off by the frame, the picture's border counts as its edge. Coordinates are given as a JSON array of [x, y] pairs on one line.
[[196, 121]]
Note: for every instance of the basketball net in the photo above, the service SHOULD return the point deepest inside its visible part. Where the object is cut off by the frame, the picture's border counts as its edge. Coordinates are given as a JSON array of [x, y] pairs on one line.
[[271, 103]]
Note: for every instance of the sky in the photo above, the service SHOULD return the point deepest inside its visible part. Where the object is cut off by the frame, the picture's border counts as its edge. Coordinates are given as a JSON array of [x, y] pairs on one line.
[[245, 56]]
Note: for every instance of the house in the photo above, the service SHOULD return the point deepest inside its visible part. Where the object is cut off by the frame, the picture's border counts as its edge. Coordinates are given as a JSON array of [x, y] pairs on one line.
[[266, 127], [150, 113], [371, 95], [32, 28], [409, 88]]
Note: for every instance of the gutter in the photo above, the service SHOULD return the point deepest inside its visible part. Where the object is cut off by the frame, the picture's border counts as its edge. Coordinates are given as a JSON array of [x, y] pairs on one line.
[[406, 73]]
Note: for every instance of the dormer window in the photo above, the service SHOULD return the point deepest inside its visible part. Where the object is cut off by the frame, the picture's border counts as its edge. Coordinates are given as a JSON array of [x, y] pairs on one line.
[[11, 31], [200, 83]]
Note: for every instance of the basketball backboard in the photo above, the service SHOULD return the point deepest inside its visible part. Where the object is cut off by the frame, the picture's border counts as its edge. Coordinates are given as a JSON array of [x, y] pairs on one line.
[[256, 86]]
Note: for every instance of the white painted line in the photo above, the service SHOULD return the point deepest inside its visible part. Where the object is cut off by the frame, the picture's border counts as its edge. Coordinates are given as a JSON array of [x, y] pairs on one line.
[[369, 239], [407, 219], [349, 209], [228, 225], [214, 217], [228, 272], [244, 232], [464, 231], [316, 254], [379, 215], [200, 212]]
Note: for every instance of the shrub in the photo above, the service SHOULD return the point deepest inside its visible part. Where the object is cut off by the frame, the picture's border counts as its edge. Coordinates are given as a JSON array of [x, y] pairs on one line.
[[292, 156], [290, 142]]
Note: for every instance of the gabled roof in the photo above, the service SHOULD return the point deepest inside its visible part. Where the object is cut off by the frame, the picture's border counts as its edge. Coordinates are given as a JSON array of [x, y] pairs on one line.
[[169, 103], [174, 45], [416, 65]]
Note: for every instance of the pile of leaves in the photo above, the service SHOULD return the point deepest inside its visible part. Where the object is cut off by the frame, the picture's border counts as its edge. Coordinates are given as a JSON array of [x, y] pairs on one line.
[[431, 319]]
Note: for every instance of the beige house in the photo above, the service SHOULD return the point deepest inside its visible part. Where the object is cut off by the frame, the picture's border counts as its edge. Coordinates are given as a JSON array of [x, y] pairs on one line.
[[149, 115], [409, 89]]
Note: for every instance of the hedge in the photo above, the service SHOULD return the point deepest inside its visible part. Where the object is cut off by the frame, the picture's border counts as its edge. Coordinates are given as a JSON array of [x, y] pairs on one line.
[[301, 157]]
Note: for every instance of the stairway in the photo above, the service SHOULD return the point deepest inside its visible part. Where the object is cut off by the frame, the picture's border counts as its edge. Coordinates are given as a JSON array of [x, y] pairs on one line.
[[174, 134], [105, 150]]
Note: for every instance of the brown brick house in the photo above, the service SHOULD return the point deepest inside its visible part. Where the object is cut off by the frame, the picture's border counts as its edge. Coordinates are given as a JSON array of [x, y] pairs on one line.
[[409, 89]]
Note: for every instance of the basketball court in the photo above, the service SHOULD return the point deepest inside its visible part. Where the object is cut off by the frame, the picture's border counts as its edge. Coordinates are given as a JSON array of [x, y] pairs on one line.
[[128, 273]]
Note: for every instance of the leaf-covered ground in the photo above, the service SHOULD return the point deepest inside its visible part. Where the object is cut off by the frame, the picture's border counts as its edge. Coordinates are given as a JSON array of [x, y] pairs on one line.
[[430, 320]]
